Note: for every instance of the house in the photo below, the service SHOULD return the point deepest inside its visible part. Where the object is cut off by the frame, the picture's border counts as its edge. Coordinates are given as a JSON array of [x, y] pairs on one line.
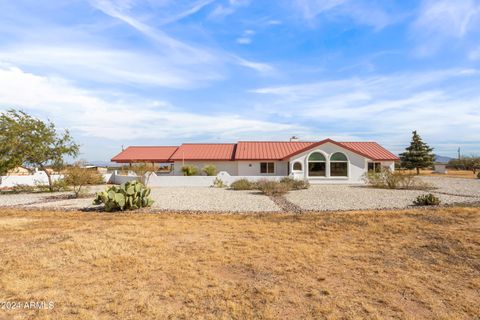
[[19, 171], [325, 161]]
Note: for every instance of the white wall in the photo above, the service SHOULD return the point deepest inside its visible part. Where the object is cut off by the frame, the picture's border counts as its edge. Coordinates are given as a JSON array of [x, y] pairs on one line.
[[252, 168], [200, 181], [227, 166], [38, 178], [357, 165]]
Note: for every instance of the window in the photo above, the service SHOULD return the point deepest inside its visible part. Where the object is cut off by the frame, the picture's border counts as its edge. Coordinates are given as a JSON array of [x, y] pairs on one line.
[[374, 166], [297, 166], [316, 165], [267, 167], [338, 165]]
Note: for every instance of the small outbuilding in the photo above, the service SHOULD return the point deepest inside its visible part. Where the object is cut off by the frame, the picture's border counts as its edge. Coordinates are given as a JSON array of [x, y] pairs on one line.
[[440, 167]]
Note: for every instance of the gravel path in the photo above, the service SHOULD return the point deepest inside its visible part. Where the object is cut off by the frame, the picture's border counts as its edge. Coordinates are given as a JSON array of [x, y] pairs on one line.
[[318, 197]]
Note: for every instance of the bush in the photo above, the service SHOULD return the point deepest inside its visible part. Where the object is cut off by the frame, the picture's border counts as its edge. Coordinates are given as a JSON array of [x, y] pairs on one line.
[[128, 196], [23, 188], [478, 175], [57, 186], [426, 200], [189, 170], [210, 170], [273, 188], [79, 177], [243, 184], [218, 183], [386, 179], [295, 184]]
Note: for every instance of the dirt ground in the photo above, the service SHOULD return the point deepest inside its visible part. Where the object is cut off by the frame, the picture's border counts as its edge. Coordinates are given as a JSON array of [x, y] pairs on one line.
[[450, 173], [381, 264]]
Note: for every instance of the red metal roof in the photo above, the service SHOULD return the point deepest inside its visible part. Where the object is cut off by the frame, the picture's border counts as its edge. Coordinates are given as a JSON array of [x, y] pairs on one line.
[[245, 150], [205, 151], [268, 150], [370, 150], [145, 154]]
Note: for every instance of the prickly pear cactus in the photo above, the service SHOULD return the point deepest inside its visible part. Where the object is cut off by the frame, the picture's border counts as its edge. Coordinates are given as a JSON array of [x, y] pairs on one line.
[[127, 196]]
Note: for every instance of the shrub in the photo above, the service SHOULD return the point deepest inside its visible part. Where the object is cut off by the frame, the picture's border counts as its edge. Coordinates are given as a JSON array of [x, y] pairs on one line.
[[295, 184], [23, 188], [387, 179], [426, 200], [57, 186], [210, 170], [189, 170], [243, 184], [478, 175], [218, 183], [128, 196], [273, 188], [79, 177]]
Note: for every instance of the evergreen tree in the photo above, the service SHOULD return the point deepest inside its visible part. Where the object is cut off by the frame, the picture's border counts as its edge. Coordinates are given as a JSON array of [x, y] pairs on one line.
[[418, 155]]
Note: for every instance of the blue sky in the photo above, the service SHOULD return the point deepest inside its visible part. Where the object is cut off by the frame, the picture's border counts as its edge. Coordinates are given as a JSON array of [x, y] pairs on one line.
[[163, 72]]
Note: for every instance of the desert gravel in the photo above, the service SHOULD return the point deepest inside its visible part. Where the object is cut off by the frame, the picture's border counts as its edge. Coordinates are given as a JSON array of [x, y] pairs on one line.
[[318, 197], [455, 186], [210, 199], [355, 197]]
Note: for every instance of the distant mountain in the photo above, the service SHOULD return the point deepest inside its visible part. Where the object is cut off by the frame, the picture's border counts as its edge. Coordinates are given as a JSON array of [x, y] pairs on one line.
[[445, 159], [104, 164]]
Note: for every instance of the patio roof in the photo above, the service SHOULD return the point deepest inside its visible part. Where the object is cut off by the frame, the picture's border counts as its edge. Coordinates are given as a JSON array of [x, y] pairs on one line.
[[157, 154], [205, 151]]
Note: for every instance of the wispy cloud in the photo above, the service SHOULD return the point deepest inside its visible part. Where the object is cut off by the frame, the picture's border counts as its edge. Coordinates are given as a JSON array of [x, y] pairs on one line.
[[223, 10], [194, 8], [246, 37], [102, 117], [386, 107], [362, 12], [183, 51], [110, 66], [258, 66], [441, 21]]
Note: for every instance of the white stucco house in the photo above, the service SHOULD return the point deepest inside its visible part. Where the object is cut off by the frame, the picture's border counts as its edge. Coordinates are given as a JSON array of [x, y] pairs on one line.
[[325, 161]]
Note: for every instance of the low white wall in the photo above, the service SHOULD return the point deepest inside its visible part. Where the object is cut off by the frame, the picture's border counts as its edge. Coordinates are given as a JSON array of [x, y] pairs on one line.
[[38, 178], [116, 178], [199, 181]]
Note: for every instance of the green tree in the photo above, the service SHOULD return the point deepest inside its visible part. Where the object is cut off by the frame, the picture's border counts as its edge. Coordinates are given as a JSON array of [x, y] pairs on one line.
[[25, 140], [418, 155]]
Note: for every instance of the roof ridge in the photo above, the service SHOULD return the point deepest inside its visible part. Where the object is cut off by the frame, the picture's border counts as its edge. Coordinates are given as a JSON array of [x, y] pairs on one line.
[[219, 143], [152, 147]]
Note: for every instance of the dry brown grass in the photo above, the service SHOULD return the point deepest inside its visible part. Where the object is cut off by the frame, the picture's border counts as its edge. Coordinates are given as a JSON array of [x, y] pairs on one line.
[[393, 264], [450, 173]]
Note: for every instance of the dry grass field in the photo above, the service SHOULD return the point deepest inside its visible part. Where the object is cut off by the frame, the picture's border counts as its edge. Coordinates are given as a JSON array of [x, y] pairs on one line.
[[450, 173], [408, 264]]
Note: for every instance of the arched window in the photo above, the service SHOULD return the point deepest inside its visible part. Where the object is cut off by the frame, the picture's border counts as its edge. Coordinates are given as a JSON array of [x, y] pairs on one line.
[[316, 165], [338, 165], [297, 166]]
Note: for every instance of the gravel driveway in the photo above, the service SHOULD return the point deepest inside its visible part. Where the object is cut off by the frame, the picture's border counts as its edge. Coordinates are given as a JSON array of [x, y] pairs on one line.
[[318, 197]]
